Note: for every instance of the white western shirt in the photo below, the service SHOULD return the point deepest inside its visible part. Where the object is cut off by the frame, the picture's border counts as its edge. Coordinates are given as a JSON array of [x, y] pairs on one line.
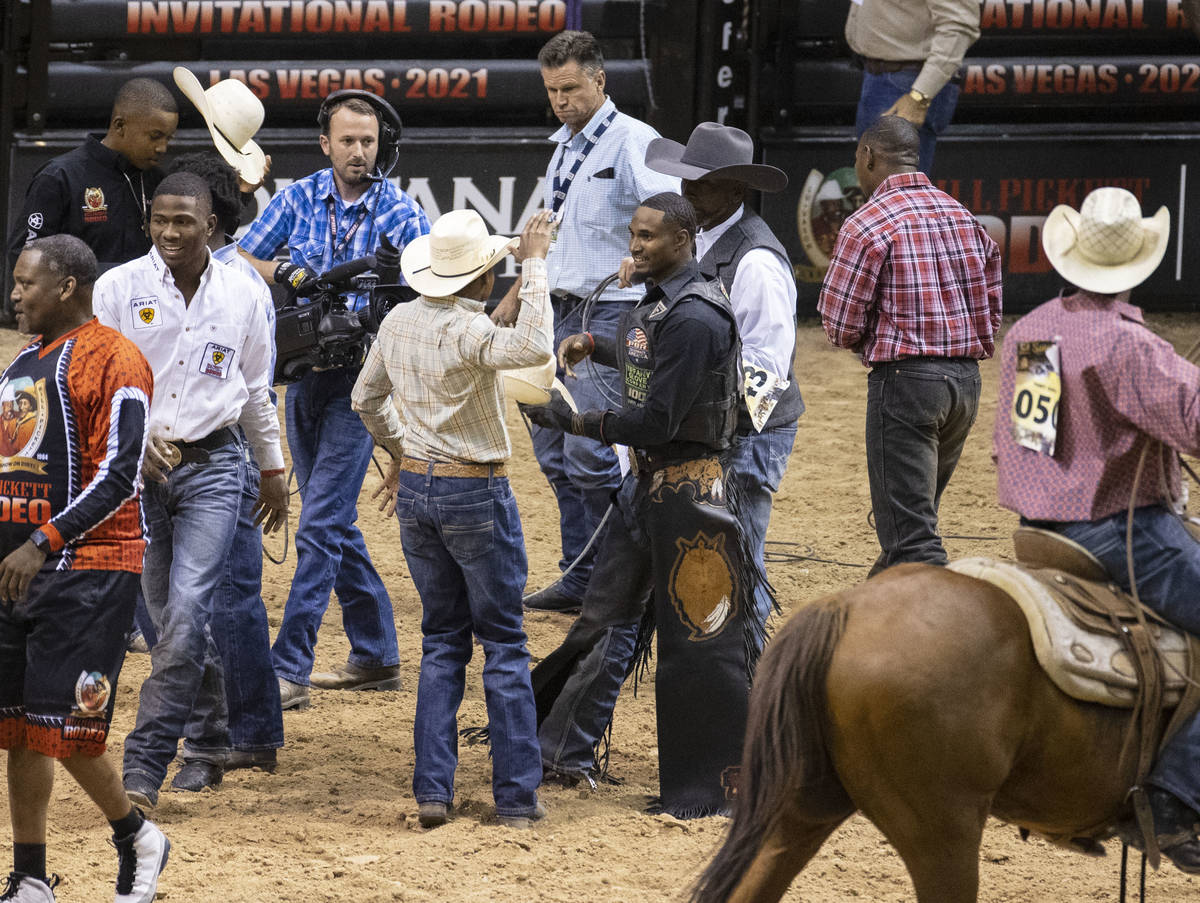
[[763, 297], [211, 358]]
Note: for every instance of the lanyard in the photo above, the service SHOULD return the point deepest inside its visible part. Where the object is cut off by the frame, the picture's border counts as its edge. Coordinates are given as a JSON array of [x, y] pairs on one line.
[[563, 185], [333, 242]]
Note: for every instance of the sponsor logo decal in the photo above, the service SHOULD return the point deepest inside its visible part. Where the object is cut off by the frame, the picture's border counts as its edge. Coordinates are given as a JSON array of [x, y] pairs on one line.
[[92, 691], [95, 210]]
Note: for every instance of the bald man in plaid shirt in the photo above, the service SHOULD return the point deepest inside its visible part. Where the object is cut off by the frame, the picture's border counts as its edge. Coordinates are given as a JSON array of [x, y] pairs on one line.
[[914, 288]]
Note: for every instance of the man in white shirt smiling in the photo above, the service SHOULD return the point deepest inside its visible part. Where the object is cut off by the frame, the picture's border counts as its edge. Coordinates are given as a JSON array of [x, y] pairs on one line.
[[211, 355], [737, 247]]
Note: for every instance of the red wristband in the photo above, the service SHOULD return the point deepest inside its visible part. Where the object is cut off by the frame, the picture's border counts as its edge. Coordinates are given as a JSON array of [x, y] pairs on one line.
[[592, 340], [277, 472]]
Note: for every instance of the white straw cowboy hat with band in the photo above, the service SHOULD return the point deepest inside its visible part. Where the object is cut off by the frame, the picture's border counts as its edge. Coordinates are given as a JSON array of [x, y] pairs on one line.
[[1107, 246], [715, 152], [457, 250], [233, 116]]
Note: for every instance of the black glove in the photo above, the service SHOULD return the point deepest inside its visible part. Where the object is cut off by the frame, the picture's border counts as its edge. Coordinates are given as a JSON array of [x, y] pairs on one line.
[[555, 414], [292, 275]]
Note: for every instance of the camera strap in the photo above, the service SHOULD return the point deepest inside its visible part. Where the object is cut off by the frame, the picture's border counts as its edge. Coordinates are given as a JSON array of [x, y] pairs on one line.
[[562, 184], [331, 205]]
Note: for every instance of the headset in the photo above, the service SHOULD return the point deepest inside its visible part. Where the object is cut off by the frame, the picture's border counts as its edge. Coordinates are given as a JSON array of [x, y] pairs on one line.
[[389, 127]]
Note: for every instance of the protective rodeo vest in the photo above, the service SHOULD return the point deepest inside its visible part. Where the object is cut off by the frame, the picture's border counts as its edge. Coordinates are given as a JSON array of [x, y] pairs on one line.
[[712, 419], [721, 262]]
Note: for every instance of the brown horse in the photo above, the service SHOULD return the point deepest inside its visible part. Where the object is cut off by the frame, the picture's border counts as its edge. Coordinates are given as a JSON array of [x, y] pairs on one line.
[[915, 698]]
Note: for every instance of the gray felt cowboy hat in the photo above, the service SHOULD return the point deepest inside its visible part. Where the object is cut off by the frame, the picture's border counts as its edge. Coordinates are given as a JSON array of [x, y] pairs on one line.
[[716, 152]]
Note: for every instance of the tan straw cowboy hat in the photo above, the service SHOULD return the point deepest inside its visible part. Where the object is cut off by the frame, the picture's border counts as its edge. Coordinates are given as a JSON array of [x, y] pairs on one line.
[[532, 385], [233, 115], [457, 249], [714, 151], [1107, 246]]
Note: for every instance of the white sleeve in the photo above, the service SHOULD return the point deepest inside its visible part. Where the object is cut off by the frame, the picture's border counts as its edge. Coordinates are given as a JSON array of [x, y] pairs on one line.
[[104, 301], [259, 418], [763, 296]]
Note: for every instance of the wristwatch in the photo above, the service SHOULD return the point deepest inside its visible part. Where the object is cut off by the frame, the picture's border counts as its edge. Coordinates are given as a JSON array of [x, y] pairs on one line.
[[41, 540], [917, 97]]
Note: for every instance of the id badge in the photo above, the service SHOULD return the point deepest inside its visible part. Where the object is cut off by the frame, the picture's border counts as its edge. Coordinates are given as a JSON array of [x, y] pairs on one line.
[[1036, 396], [761, 391]]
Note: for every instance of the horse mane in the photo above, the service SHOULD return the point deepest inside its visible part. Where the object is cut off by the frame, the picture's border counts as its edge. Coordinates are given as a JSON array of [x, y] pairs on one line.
[[785, 759]]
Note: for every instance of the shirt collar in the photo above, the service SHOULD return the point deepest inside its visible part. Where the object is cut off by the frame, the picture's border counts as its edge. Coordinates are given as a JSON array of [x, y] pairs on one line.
[[471, 304], [163, 273], [564, 136], [1075, 299], [326, 187], [107, 156], [713, 235], [900, 181], [673, 286]]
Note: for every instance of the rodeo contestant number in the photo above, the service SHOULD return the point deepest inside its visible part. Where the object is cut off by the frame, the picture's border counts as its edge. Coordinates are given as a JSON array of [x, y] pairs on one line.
[[1036, 395], [1047, 407], [459, 83]]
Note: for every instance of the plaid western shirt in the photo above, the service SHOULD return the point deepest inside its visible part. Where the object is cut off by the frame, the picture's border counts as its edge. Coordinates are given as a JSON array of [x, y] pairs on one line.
[[1120, 384], [438, 358], [913, 274], [298, 216]]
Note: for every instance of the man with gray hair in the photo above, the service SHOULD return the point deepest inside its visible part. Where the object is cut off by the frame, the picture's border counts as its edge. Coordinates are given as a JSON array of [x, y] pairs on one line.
[[596, 178]]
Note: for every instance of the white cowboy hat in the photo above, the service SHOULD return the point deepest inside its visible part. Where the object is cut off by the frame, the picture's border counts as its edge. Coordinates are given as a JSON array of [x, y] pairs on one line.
[[233, 115], [457, 249], [532, 385], [1107, 246]]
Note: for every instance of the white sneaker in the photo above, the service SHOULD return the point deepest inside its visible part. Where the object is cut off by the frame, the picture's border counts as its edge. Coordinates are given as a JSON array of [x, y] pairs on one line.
[[141, 858], [20, 888]]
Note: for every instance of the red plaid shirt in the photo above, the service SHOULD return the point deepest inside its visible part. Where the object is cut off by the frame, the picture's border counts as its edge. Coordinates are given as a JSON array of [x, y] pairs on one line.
[[913, 274], [1120, 383]]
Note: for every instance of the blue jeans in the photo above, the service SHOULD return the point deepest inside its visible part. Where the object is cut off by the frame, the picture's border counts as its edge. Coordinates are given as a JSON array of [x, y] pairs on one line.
[[919, 412], [1166, 561], [239, 626], [191, 520], [582, 472], [879, 92], [465, 550], [331, 450], [758, 464]]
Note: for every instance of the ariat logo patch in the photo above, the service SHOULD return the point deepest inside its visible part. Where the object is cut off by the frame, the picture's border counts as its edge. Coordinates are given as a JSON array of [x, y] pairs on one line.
[[92, 691], [702, 586], [145, 313], [216, 360]]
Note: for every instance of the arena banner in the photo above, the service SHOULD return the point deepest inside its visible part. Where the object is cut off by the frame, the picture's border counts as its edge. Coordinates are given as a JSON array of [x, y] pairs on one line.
[[369, 21], [1046, 24], [994, 88], [452, 92], [1011, 182]]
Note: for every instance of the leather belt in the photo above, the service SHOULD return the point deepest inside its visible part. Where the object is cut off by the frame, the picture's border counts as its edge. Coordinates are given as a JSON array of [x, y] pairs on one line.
[[561, 297], [197, 451], [883, 67], [451, 468]]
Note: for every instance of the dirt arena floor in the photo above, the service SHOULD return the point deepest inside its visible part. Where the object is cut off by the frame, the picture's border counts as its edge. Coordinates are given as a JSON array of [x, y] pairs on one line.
[[337, 822]]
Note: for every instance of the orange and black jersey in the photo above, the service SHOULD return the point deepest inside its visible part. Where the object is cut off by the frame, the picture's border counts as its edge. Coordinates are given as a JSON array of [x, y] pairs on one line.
[[73, 427]]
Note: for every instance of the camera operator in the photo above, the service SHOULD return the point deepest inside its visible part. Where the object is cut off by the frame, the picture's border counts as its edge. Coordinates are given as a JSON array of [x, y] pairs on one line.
[[332, 216]]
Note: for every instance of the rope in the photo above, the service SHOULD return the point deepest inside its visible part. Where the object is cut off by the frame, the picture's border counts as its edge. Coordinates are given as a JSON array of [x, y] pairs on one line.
[[645, 56]]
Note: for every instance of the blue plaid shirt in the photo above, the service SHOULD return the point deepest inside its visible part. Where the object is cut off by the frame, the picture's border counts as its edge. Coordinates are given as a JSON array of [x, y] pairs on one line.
[[593, 226], [298, 216]]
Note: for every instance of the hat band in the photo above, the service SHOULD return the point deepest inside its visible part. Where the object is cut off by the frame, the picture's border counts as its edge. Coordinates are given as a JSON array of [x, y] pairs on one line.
[[232, 143]]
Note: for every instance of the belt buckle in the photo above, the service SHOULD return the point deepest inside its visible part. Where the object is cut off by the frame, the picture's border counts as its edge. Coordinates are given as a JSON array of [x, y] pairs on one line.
[[171, 454]]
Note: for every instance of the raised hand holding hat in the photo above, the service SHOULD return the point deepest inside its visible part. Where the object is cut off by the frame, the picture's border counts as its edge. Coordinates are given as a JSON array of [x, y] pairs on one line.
[[233, 116]]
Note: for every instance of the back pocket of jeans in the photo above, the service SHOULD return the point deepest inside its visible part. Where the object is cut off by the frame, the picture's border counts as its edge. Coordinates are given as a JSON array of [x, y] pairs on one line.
[[467, 529]]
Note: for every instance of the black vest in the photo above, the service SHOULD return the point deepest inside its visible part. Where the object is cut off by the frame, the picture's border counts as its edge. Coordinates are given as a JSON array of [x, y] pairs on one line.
[[721, 262], [711, 423]]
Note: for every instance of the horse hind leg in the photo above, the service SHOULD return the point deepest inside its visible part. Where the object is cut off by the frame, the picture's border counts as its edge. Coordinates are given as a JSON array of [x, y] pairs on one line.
[[785, 850], [940, 848]]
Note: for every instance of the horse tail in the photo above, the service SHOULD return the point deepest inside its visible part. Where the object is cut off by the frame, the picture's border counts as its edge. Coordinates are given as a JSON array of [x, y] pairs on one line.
[[786, 763]]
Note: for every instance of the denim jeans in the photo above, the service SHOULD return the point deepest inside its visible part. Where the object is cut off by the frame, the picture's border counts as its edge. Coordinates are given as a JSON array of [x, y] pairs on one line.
[[331, 450], [243, 637], [582, 472], [1166, 562], [879, 92], [191, 520], [465, 550], [584, 706], [757, 467], [919, 412]]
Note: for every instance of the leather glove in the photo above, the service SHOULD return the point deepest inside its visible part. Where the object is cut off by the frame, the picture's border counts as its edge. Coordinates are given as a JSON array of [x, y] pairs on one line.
[[555, 414], [292, 275]]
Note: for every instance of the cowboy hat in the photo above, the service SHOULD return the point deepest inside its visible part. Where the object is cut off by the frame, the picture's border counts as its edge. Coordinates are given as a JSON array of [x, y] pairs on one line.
[[457, 249], [1106, 246], [233, 115], [714, 151], [532, 385]]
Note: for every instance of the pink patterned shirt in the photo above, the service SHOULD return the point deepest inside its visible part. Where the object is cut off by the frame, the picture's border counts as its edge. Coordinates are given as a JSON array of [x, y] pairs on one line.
[[913, 274], [1120, 382]]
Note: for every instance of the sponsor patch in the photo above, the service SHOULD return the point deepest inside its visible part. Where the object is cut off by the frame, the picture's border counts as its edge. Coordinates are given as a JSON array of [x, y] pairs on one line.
[[216, 361], [702, 586], [36, 220], [95, 209], [145, 313], [92, 691]]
